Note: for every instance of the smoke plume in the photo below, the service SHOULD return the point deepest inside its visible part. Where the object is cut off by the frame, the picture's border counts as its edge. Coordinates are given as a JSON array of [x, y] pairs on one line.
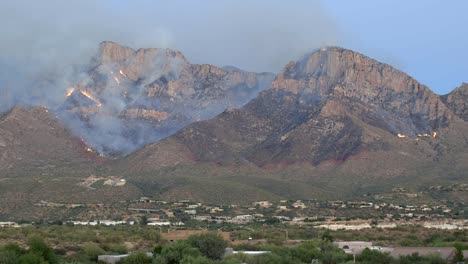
[[47, 47]]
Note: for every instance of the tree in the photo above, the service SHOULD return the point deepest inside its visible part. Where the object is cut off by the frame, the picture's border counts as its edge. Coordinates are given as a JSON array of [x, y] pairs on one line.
[[196, 260], [38, 247], [10, 253], [372, 256], [32, 258], [458, 257], [8, 257], [326, 236], [176, 251], [92, 251], [144, 220], [211, 245]]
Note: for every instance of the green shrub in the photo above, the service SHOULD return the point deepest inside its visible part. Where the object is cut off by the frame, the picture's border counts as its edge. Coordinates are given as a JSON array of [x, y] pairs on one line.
[[371, 256], [9, 257], [211, 245], [173, 253], [92, 250], [116, 248], [38, 247], [196, 260], [32, 258]]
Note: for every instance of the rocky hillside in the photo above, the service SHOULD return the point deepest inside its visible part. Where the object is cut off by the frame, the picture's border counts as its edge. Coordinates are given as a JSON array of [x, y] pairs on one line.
[[335, 123], [332, 125], [457, 100], [134, 97], [33, 143], [330, 105]]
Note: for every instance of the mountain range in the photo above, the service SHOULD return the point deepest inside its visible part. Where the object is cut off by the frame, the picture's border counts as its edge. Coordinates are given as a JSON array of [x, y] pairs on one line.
[[334, 124]]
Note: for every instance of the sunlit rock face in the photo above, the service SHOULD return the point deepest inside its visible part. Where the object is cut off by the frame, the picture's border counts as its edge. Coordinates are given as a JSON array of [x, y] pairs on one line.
[[331, 105], [457, 100], [130, 98]]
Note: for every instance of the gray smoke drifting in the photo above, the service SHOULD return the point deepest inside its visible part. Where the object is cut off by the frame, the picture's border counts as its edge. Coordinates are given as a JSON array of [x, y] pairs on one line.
[[47, 46]]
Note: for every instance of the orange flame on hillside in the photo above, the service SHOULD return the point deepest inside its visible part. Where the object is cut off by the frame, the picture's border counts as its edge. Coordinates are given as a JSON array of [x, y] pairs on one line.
[[401, 135], [123, 74], [115, 78], [434, 134], [70, 91], [89, 96]]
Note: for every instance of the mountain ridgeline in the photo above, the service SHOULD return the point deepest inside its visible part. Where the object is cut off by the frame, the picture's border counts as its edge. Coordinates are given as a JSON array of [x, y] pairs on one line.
[[130, 98], [333, 124], [328, 106]]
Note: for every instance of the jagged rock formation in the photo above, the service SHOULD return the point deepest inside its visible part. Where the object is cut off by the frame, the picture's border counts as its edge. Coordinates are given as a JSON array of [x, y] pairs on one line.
[[457, 101], [151, 93], [328, 106], [333, 125]]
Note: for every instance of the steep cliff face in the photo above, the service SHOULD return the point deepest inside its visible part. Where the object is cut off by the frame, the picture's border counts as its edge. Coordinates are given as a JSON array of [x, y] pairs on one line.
[[328, 106], [385, 91], [457, 101], [136, 97]]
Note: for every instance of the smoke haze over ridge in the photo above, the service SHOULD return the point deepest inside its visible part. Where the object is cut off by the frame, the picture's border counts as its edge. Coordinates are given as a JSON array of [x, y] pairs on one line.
[[54, 40], [46, 46]]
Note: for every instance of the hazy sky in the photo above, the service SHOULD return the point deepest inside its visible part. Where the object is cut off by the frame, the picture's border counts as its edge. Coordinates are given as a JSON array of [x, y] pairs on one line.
[[426, 38]]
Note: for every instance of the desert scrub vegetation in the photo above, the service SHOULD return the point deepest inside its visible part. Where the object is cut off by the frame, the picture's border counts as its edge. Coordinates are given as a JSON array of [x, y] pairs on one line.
[[72, 244]]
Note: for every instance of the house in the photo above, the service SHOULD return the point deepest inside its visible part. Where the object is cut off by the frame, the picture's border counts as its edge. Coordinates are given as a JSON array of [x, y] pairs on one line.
[[446, 253], [159, 223], [169, 213], [263, 204], [111, 222], [282, 208], [353, 247], [216, 209], [231, 251], [113, 259], [299, 204], [8, 224]]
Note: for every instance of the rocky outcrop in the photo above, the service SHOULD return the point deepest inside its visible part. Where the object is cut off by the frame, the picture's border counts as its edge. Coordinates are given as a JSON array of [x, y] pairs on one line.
[[457, 101], [386, 91], [330, 105], [145, 114], [148, 94]]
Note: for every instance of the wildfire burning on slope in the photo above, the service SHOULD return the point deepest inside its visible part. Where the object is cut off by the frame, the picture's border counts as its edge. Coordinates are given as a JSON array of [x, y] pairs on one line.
[[115, 78], [433, 135], [87, 94], [123, 74], [71, 90]]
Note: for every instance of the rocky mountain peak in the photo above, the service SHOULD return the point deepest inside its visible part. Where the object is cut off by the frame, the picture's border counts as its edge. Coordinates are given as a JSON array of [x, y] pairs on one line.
[[149, 94], [333, 65], [457, 101], [110, 52], [138, 64], [350, 78]]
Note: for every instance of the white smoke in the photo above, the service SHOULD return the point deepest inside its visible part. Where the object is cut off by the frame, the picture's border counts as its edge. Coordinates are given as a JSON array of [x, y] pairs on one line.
[[47, 46]]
